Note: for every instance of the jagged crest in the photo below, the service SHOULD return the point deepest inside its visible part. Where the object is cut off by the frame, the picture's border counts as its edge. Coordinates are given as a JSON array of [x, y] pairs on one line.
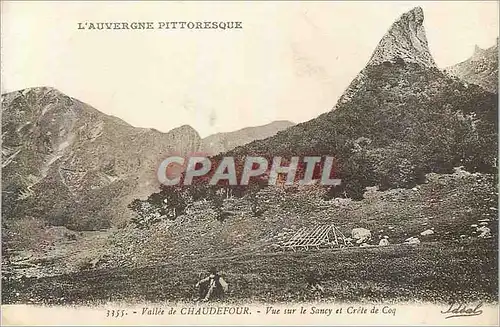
[[406, 40]]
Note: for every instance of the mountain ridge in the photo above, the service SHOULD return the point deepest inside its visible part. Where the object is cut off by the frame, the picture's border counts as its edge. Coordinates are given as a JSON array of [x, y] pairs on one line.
[[400, 118], [480, 69], [73, 165], [66, 161], [226, 141]]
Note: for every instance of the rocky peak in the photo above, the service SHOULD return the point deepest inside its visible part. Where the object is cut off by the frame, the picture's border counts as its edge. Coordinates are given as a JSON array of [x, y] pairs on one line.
[[406, 40], [478, 51], [185, 130]]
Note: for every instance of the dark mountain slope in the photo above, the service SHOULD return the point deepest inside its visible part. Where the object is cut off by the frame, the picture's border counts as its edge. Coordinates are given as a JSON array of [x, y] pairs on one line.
[[400, 118], [69, 164]]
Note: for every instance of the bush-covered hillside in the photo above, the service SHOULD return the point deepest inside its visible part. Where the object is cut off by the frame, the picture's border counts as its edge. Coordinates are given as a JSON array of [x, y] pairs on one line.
[[404, 120]]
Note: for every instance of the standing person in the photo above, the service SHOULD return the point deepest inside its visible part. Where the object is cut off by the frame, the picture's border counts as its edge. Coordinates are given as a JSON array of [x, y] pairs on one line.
[[214, 285]]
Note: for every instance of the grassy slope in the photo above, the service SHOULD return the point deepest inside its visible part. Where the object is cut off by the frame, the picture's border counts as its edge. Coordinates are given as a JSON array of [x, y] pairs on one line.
[[162, 263], [448, 203], [462, 270]]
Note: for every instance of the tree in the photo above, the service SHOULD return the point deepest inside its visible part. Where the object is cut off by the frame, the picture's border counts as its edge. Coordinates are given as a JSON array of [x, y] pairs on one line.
[[169, 203]]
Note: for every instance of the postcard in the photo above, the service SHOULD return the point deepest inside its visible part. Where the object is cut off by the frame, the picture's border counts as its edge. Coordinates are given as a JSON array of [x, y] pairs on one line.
[[252, 163]]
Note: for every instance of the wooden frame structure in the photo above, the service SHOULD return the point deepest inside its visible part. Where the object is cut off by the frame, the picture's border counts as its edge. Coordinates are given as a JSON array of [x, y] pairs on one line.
[[316, 237]]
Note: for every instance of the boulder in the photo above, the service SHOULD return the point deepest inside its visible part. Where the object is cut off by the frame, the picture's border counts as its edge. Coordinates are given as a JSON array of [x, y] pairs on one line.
[[412, 240], [460, 172], [485, 232], [383, 242], [341, 202], [427, 232], [361, 235]]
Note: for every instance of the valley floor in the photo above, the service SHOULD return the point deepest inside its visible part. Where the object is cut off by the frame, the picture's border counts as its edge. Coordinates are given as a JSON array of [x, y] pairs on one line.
[[54, 265], [438, 272]]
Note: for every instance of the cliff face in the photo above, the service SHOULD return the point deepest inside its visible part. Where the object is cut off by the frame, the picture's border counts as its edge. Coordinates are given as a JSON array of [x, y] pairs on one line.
[[67, 163], [480, 69], [405, 40]]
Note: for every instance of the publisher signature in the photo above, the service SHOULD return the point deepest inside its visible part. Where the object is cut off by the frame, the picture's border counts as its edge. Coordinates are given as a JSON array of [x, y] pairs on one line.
[[462, 310]]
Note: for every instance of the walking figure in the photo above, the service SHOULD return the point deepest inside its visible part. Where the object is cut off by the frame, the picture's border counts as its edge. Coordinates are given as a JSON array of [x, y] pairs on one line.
[[212, 287]]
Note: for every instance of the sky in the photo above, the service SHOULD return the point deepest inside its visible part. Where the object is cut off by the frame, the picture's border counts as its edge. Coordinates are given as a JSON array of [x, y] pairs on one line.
[[290, 61]]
